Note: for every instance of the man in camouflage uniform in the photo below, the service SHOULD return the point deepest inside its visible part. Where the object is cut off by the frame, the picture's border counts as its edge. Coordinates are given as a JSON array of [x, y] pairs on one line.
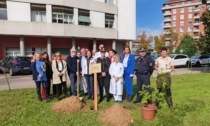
[[164, 67]]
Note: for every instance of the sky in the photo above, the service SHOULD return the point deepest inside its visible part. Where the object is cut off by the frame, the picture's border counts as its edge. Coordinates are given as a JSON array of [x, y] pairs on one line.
[[149, 17]]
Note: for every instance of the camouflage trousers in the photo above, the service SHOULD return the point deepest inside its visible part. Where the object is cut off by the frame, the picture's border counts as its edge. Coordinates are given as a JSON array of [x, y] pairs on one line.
[[164, 78]]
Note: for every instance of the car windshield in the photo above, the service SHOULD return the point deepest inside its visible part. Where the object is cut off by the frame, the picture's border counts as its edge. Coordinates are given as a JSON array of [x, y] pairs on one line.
[[172, 56], [23, 59], [195, 57]]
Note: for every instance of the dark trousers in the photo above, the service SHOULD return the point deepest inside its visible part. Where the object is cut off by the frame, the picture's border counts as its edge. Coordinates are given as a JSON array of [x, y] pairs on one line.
[[48, 86], [142, 80], [89, 80], [54, 89], [73, 79], [38, 88], [59, 88], [104, 82]]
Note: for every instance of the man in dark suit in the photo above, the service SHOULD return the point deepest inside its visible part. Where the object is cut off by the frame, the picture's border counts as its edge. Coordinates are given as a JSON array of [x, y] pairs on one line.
[[72, 70], [103, 77]]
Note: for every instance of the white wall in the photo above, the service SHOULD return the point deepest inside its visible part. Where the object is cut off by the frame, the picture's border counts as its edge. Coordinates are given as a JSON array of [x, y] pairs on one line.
[[97, 19], [75, 17], [127, 19], [18, 11]]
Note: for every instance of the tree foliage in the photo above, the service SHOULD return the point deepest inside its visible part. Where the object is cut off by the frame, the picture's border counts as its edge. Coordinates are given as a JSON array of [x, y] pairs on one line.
[[204, 45], [187, 44], [169, 40], [145, 41]]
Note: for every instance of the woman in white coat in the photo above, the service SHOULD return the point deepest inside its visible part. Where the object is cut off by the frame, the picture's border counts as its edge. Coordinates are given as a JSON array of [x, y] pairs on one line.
[[116, 72]]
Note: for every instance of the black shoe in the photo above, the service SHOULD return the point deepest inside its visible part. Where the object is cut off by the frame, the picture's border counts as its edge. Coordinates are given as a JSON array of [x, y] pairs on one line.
[[136, 101], [100, 100], [89, 97], [108, 100], [129, 99], [40, 99], [59, 98]]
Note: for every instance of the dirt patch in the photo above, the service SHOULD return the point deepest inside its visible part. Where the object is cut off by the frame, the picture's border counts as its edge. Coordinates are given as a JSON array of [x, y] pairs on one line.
[[116, 115], [68, 105]]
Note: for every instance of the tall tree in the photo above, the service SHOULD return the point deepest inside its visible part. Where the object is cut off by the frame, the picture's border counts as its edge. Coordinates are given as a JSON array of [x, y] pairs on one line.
[[159, 42], [172, 39], [145, 41], [187, 45], [204, 44]]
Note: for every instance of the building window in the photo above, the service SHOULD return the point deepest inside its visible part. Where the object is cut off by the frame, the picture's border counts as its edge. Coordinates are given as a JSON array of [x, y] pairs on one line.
[[189, 29], [189, 23], [174, 17], [181, 23], [181, 17], [174, 11], [63, 15], [3, 10], [181, 29], [38, 13], [84, 17], [174, 24], [109, 20], [12, 51], [181, 10], [189, 16], [32, 51], [190, 9], [109, 1], [64, 51]]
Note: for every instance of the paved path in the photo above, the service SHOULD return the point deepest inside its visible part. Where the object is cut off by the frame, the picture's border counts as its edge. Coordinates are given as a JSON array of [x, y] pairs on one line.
[[25, 81]]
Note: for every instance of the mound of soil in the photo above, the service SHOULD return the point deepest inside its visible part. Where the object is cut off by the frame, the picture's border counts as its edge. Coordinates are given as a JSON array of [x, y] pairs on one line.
[[68, 105], [116, 115]]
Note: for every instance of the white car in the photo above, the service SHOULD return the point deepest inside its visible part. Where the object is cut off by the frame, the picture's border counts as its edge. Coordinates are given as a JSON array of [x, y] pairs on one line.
[[199, 60], [179, 59]]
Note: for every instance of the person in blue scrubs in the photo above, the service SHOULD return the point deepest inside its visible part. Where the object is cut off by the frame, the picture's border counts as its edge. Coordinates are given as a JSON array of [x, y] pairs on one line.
[[128, 62]]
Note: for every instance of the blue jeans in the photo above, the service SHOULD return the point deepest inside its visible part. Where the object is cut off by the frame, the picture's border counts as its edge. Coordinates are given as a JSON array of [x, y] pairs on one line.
[[89, 80], [73, 79], [38, 88]]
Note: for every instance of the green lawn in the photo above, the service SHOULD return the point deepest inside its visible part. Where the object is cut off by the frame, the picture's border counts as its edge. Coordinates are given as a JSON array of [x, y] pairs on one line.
[[191, 97]]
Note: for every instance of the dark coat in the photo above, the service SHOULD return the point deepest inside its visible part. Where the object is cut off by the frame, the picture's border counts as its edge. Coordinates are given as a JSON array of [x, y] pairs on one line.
[[34, 71], [105, 63], [71, 64]]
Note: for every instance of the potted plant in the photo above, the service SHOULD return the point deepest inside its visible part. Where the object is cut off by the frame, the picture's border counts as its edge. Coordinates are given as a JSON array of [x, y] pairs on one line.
[[150, 102]]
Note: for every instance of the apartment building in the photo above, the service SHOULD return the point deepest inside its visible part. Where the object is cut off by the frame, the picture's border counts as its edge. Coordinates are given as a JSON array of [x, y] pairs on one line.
[[29, 26], [184, 16]]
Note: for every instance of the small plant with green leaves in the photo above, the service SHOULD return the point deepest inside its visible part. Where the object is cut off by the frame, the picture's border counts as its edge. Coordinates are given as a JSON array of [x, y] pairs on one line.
[[151, 95]]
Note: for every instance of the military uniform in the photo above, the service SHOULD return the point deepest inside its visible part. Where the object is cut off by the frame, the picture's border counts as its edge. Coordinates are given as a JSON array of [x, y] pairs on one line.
[[104, 81], [164, 70], [142, 69]]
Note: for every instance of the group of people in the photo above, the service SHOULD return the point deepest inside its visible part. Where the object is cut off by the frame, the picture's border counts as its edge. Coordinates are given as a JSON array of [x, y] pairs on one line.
[[116, 71]]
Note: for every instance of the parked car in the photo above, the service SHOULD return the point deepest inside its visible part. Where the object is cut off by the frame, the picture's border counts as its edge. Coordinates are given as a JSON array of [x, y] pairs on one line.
[[179, 59], [199, 60], [17, 65]]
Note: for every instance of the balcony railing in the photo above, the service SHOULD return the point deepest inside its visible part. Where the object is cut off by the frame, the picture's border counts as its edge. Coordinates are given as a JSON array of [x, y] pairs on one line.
[[196, 17], [196, 24], [196, 30], [167, 20], [167, 26]]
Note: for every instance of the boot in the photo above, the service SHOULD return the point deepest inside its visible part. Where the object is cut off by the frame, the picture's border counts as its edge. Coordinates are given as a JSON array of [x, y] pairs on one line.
[[169, 101]]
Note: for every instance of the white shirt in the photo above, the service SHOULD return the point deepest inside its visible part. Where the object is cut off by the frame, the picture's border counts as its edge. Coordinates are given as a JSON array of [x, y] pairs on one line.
[[125, 61], [60, 67], [98, 54]]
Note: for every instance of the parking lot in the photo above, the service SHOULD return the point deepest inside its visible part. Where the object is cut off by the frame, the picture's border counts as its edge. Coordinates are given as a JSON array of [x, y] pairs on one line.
[[25, 81]]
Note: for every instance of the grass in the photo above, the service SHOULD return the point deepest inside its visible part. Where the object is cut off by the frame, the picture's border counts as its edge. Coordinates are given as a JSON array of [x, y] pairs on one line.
[[191, 97]]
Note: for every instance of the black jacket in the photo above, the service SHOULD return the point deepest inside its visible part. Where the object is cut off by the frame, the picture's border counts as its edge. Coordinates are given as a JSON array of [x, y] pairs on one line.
[[105, 63], [71, 64]]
